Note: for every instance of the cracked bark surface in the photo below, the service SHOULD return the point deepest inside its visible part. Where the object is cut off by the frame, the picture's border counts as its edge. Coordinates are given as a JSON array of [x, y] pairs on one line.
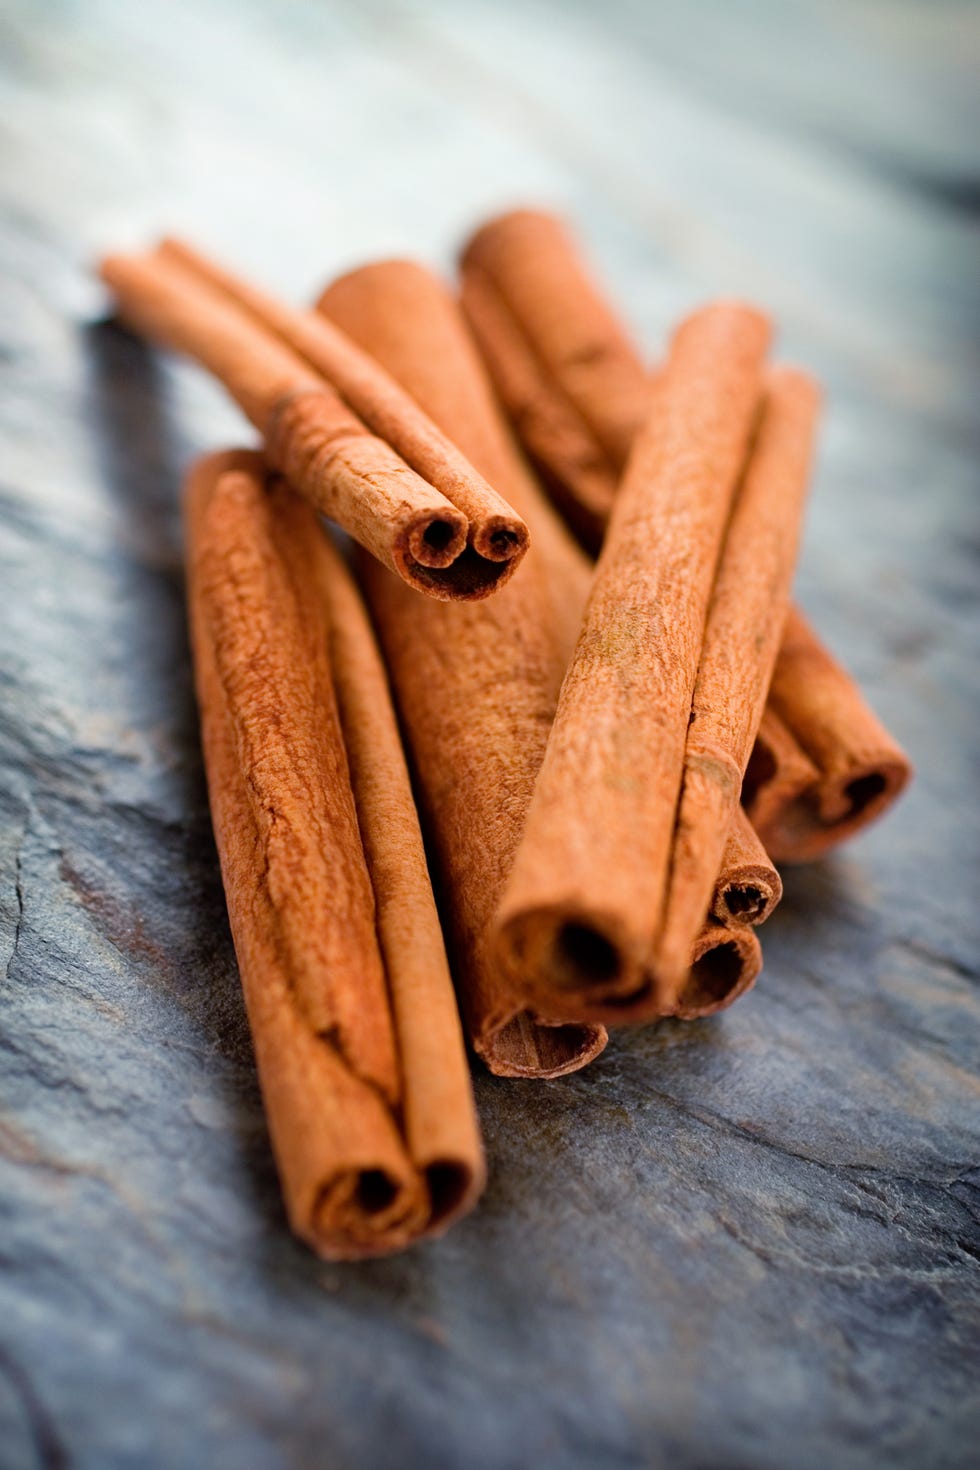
[[751, 1241]]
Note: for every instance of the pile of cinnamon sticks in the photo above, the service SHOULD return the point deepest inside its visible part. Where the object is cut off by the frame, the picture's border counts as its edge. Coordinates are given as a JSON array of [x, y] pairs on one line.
[[569, 596]]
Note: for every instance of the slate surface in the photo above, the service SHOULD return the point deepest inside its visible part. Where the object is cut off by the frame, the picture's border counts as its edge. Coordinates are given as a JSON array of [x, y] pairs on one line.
[[747, 1243]]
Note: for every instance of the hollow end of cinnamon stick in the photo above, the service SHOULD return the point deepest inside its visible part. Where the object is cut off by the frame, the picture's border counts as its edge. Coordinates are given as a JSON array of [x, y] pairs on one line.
[[747, 898], [362, 1213], [834, 810], [499, 539], [433, 542], [576, 966], [725, 964], [528, 1046]]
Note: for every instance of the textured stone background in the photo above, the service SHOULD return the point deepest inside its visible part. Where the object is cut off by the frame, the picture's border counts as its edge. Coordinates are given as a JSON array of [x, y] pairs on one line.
[[747, 1243]]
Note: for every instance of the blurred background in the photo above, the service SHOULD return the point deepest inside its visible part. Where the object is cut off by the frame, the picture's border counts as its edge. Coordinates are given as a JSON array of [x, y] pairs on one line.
[[748, 1243]]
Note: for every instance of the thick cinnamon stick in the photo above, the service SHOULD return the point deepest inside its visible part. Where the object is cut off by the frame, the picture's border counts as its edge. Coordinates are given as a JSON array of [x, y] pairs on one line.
[[585, 900], [324, 450], [543, 324], [335, 1073], [862, 769], [742, 633], [476, 686]]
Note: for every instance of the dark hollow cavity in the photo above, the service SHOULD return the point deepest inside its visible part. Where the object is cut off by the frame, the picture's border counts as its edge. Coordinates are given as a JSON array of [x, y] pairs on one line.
[[375, 1191], [712, 977], [864, 790], [437, 535], [447, 1185], [742, 901], [583, 957]]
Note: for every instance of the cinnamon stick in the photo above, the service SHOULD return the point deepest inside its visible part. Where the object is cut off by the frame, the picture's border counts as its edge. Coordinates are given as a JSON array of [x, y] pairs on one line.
[[496, 533], [440, 1126], [584, 902], [450, 548], [476, 686], [862, 769], [778, 774], [726, 962], [543, 324], [336, 1073], [742, 633], [748, 887]]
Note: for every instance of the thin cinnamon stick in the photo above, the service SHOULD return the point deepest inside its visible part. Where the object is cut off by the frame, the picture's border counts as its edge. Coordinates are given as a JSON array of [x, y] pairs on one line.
[[543, 324], [742, 633], [584, 902], [726, 962], [335, 1073], [862, 769], [324, 450], [562, 446], [476, 686], [748, 886]]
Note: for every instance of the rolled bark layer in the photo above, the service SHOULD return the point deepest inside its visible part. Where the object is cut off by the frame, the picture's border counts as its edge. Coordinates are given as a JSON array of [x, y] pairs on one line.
[[447, 550], [337, 1074], [584, 904], [476, 686]]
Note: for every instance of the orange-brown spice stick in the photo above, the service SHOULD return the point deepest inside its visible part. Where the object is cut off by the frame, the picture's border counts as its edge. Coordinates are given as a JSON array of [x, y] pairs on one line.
[[862, 769], [324, 450], [581, 910], [476, 686], [496, 533], [440, 1126], [543, 326], [299, 893], [742, 634]]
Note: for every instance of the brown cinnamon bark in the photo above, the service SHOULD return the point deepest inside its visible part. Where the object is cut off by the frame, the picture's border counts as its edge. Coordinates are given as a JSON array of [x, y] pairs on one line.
[[476, 686], [322, 448], [862, 769], [542, 324], [585, 900], [299, 893], [746, 615]]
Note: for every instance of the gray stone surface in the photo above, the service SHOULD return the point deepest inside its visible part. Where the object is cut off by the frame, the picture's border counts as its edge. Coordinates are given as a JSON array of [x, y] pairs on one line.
[[751, 1242]]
